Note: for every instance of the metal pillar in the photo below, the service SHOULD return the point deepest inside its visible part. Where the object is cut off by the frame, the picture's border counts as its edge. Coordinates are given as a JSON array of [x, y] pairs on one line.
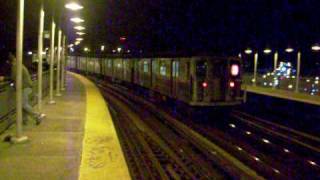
[[63, 63], [58, 64], [19, 138], [40, 50], [298, 71], [255, 69], [275, 61], [53, 27]]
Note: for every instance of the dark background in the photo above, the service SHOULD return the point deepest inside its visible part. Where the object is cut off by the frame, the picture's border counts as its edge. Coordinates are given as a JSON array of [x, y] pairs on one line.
[[206, 26]]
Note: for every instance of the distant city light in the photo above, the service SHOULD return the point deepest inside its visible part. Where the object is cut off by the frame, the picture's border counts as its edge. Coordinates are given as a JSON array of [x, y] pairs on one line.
[[248, 51], [128, 51], [102, 48], [77, 20], [86, 49], [73, 6], [114, 51], [80, 28], [267, 51], [119, 49], [30, 53], [123, 38], [232, 125], [289, 50], [80, 33], [315, 48]]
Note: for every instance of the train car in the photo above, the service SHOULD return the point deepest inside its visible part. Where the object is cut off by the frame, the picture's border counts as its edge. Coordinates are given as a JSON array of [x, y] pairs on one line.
[[197, 81]]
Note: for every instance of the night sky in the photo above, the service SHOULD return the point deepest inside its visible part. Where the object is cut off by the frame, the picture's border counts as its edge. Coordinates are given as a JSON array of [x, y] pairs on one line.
[[210, 26]]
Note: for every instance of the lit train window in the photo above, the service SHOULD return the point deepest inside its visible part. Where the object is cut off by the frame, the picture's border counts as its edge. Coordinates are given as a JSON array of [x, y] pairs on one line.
[[145, 66], [163, 70], [175, 68]]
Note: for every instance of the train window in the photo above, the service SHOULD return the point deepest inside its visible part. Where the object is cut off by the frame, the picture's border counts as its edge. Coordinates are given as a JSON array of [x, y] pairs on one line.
[[109, 63], [163, 70], [145, 66], [175, 68], [201, 68]]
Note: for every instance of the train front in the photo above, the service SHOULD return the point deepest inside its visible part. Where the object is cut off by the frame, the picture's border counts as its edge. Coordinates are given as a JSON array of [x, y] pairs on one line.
[[217, 82]]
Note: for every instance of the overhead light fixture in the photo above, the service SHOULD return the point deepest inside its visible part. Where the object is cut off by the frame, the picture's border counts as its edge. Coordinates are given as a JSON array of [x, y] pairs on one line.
[[267, 51], [80, 33], [79, 39], [77, 43], [315, 48], [77, 20], [73, 6], [119, 49], [80, 28], [102, 48], [248, 51], [289, 50]]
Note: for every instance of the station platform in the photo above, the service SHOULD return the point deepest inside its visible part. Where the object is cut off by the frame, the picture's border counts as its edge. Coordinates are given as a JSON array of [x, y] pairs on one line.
[[283, 94], [77, 140]]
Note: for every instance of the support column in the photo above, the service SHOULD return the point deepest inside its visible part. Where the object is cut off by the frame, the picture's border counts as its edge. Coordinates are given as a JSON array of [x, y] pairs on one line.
[[298, 71], [58, 64], [255, 69], [19, 138], [63, 63], [53, 28], [40, 50]]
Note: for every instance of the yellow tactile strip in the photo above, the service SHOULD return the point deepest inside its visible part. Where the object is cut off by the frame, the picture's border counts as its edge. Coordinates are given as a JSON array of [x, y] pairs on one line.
[[102, 156]]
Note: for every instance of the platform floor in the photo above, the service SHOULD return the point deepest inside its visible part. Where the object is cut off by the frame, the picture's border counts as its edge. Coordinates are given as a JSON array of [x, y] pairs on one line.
[[283, 94], [77, 140]]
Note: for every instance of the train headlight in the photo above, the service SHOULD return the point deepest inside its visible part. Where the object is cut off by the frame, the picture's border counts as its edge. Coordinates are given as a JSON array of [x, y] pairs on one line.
[[231, 84], [235, 70], [204, 84]]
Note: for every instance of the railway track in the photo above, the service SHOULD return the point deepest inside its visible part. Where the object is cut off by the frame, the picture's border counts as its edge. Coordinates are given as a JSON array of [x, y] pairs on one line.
[[246, 139], [167, 148]]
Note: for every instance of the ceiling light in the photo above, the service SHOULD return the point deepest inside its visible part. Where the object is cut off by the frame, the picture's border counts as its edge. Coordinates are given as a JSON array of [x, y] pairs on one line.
[[77, 20], [73, 6], [79, 28], [80, 33]]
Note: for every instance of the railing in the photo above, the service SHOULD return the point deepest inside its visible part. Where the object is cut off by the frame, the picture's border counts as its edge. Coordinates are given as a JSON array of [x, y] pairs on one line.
[[307, 85], [7, 100]]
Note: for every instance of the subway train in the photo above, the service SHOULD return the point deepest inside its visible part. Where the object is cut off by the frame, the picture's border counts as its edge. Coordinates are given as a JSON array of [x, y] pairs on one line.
[[197, 81]]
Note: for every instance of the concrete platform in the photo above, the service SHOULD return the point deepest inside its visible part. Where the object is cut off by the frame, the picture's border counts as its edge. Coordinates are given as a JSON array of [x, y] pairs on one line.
[[283, 94], [77, 140]]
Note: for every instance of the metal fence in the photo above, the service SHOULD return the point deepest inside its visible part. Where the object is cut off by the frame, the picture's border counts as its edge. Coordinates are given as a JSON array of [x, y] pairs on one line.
[[307, 85], [7, 99]]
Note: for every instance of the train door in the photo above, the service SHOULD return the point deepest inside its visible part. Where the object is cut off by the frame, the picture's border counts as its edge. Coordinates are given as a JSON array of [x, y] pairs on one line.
[[201, 79], [175, 74]]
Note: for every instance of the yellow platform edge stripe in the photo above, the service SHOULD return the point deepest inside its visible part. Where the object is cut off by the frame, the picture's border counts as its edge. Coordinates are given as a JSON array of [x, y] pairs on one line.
[[102, 156]]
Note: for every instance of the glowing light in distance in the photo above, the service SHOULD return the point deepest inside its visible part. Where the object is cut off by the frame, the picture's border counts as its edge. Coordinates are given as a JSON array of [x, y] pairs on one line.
[[286, 150], [119, 49], [289, 50], [266, 141], [102, 48], [86, 49], [248, 51], [70, 45], [77, 20], [77, 43], [80, 28], [248, 132], [256, 158], [232, 125], [30, 53], [235, 69], [312, 163], [79, 39], [73, 6], [267, 51], [239, 148], [315, 48], [80, 33]]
